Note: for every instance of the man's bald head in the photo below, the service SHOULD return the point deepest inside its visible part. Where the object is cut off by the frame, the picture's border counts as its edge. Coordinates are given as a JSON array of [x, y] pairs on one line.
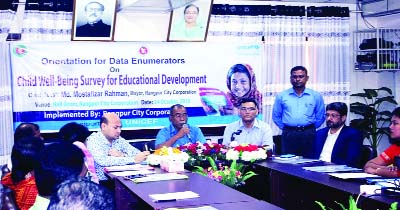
[[110, 124]]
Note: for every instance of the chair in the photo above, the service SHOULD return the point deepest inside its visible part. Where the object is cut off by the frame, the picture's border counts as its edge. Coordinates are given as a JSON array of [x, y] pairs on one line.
[[4, 170], [7, 196], [367, 153], [277, 144]]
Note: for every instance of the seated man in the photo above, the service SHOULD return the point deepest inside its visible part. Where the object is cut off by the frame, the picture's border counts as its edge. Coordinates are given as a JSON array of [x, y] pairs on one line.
[[248, 129], [110, 149], [338, 143], [58, 162], [178, 132]]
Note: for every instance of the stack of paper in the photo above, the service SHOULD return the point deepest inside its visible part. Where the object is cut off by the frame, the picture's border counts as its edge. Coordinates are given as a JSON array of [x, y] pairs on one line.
[[352, 175], [135, 167], [132, 173], [173, 196], [331, 168]]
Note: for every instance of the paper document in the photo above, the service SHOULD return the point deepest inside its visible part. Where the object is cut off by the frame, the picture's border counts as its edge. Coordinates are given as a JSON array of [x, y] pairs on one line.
[[194, 208], [135, 167], [173, 196], [131, 173], [352, 175], [294, 160], [331, 168], [160, 177]]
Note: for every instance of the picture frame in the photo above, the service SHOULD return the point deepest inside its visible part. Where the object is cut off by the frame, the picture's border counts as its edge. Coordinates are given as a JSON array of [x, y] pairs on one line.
[[190, 22], [93, 20]]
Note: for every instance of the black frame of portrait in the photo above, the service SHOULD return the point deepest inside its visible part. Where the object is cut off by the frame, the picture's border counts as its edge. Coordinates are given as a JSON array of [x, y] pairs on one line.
[[110, 12], [205, 7]]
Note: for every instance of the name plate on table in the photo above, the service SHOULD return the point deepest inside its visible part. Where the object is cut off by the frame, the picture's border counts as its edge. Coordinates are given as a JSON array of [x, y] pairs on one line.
[[172, 165]]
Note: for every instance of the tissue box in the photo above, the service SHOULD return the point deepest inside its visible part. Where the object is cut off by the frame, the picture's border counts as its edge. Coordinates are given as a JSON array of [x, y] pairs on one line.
[[172, 165]]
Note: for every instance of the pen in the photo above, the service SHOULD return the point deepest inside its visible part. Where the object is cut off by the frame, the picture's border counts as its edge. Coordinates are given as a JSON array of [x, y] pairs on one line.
[[166, 200]]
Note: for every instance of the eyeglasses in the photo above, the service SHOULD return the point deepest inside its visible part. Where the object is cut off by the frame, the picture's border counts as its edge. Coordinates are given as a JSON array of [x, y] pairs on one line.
[[332, 115], [249, 109], [94, 9], [191, 13], [297, 76], [179, 115]]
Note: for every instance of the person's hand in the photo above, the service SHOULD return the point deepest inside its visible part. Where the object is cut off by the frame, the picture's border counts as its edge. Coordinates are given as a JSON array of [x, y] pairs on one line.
[[141, 156], [183, 131], [115, 153]]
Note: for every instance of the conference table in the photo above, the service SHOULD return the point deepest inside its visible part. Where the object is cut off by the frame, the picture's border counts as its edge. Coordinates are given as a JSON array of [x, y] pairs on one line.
[[130, 195], [292, 187]]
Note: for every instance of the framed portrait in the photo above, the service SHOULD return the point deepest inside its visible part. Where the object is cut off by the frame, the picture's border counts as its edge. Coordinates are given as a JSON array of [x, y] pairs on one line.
[[190, 22], [94, 20]]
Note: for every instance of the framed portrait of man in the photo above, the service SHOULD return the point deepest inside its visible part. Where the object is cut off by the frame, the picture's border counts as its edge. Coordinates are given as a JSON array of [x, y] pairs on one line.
[[94, 20], [190, 22]]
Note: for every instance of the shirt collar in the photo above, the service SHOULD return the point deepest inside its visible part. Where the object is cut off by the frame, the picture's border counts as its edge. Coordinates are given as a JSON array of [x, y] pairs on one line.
[[337, 132], [256, 124]]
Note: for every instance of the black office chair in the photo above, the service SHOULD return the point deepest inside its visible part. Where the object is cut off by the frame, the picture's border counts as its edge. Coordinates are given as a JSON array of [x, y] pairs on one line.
[[277, 144], [4, 170], [367, 153]]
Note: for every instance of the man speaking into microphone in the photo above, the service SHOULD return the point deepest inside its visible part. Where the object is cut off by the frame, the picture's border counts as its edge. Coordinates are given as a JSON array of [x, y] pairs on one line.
[[179, 132], [248, 129]]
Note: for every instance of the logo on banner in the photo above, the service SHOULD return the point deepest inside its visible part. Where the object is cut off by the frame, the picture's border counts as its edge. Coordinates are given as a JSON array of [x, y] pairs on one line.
[[20, 50], [143, 50]]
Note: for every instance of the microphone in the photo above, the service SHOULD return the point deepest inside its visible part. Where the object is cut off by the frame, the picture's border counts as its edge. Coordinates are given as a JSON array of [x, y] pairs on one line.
[[238, 132], [188, 134]]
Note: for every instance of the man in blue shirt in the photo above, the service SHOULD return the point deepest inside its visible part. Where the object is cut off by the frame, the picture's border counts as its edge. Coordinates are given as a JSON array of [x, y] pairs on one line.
[[298, 111], [178, 132]]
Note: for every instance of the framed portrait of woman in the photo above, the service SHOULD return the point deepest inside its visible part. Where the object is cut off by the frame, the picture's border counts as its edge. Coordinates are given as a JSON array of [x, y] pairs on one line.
[[94, 20], [190, 22]]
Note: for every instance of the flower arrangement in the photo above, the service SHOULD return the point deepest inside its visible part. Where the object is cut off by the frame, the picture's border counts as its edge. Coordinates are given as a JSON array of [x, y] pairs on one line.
[[246, 152], [198, 152], [232, 176], [207, 149], [167, 154]]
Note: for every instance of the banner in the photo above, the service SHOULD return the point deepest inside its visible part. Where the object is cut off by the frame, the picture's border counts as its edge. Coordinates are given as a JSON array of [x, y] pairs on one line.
[[59, 82]]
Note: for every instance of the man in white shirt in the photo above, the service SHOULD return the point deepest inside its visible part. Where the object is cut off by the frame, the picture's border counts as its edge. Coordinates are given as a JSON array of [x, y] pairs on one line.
[[248, 129], [338, 143]]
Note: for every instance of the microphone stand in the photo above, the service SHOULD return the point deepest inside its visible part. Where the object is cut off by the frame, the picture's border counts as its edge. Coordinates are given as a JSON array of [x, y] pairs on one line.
[[238, 132]]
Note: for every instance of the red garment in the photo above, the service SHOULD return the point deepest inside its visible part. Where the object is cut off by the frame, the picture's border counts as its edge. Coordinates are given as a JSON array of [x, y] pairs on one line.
[[389, 154], [25, 191]]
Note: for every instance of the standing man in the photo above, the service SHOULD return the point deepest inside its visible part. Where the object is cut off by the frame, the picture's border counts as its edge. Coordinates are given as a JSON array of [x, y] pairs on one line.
[[94, 26], [298, 111], [110, 149], [248, 129], [338, 143], [178, 132]]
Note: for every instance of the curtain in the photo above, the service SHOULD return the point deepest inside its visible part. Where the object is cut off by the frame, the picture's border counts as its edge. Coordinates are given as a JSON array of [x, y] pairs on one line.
[[6, 127], [6, 20], [315, 37], [47, 25]]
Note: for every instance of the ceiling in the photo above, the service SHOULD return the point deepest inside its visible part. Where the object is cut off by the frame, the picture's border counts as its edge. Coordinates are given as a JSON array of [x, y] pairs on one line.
[[370, 7]]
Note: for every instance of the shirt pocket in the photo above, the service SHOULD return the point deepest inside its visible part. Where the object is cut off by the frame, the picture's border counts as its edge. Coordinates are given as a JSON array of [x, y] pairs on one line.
[[309, 107]]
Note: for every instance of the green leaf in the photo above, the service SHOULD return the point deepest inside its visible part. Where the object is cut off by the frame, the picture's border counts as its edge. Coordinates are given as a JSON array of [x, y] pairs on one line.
[[320, 205], [371, 93], [393, 206], [248, 175], [388, 90], [212, 163]]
